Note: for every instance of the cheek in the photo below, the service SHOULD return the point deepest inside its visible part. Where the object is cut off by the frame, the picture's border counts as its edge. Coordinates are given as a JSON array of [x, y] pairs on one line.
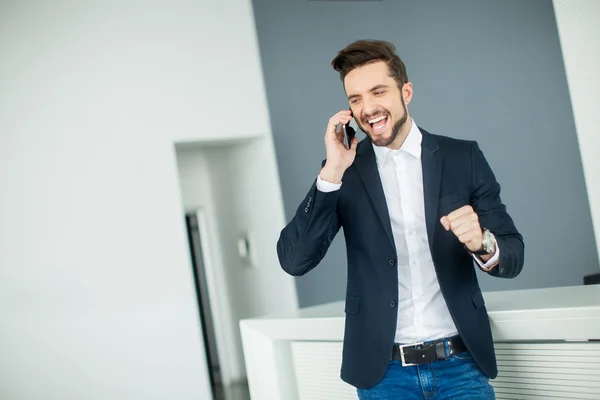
[[356, 113], [399, 110], [390, 105]]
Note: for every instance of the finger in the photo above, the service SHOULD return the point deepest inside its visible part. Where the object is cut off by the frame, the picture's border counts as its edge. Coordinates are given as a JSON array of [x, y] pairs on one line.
[[344, 112], [458, 212], [340, 119], [343, 115], [471, 226], [445, 223], [456, 223], [467, 237], [463, 219], [332, 128]]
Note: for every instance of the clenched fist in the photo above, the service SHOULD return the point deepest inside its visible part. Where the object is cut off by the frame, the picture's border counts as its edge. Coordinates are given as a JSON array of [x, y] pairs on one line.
[[464, 223]]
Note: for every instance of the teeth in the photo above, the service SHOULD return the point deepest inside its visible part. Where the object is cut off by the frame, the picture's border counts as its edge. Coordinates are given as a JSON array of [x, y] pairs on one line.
[[372, 121]]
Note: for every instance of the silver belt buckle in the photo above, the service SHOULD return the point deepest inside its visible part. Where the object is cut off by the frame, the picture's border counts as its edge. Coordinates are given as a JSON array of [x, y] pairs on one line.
[[401, 347]]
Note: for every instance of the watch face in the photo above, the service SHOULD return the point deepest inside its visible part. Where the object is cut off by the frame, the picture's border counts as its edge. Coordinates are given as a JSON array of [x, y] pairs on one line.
[[488, 241]]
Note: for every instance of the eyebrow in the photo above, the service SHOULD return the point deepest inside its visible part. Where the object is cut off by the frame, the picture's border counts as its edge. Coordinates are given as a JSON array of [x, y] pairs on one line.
[[374, 88]]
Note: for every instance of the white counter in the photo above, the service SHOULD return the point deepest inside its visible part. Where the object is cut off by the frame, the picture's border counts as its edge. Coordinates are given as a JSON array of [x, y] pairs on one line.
[[542, 341]]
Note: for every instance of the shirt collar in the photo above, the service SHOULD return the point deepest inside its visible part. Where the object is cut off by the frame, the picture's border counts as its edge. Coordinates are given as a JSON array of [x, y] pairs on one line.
[[411, 145]]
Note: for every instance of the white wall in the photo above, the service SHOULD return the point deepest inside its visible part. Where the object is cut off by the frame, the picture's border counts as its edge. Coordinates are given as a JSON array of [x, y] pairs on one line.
[[579, 32], [96, 287]]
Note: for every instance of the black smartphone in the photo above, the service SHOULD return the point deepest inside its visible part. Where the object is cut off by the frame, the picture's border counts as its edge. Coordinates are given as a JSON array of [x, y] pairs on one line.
[[349, 133]]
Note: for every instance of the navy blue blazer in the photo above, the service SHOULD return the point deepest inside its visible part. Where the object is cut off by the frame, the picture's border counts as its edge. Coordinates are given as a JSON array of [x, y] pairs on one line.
[[455, 173]]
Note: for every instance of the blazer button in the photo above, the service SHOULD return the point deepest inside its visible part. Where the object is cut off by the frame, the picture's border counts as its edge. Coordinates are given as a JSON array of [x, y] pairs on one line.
[[392, 303], [392, 262]]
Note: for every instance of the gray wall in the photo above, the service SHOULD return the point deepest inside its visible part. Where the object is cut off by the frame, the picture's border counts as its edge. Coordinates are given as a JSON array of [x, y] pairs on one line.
[[485, 70]]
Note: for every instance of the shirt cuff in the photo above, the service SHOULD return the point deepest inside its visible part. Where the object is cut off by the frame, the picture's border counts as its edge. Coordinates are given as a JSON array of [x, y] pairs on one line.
[[492, 261], [324, 186]]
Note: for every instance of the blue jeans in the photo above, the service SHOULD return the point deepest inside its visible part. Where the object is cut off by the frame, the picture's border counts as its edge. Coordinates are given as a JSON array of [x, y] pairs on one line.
[[457, 377]]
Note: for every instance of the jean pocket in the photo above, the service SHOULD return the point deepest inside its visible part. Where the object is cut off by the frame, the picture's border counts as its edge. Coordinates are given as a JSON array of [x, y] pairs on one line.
[[465, 355]]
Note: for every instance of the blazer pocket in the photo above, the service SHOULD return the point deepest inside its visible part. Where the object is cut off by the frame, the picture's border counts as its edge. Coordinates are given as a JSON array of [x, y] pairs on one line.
[[456, 198], [477, 298], [352, 304]]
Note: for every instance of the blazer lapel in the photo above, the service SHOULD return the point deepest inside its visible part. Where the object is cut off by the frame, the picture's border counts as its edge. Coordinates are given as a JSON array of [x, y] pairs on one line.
[[366, 165], [431, 162]]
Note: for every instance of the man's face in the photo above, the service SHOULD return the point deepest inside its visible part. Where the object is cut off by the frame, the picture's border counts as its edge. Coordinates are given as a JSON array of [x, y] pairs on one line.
[[378, 104]]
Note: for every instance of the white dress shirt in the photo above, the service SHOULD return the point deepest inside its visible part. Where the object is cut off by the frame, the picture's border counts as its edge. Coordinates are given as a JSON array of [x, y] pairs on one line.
[[422, 311]]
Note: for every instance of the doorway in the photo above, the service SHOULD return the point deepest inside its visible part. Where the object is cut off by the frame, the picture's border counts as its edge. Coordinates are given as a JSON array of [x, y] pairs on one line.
[[221, 390], [223, 211]]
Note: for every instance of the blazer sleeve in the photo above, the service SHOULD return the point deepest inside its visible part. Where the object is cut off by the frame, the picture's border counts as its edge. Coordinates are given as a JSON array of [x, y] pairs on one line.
[[304, 241], [485, 199]]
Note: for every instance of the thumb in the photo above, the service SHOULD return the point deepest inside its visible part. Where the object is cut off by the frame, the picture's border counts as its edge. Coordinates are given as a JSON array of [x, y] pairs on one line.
[[445, 222]]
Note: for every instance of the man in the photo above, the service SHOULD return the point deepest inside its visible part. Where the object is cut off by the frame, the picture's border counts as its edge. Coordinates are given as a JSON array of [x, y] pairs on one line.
[[418, 212]]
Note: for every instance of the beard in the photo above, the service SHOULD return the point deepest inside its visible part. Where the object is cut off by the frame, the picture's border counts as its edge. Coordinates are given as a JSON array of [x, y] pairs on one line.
[[396, 128]]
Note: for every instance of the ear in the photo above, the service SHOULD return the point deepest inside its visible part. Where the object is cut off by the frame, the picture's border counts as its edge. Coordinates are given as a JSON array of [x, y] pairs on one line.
[[407, 92]]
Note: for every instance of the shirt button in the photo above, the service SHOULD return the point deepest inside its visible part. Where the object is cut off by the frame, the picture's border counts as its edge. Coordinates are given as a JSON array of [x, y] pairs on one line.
[[392, 262], [392, 303]]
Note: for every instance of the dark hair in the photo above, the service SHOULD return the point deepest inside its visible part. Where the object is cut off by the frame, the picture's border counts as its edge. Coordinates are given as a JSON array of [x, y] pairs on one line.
[[364, 52]]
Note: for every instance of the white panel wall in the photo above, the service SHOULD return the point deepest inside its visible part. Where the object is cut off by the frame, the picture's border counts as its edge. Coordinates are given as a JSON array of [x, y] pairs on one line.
[[96, 288], [525, 371], [579, 32]]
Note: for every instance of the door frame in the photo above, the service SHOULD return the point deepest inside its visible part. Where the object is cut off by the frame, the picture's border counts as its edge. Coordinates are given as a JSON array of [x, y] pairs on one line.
[[217, 294]]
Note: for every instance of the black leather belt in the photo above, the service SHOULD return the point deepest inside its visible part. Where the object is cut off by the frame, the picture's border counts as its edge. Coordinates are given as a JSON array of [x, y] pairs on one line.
[[419, 353]]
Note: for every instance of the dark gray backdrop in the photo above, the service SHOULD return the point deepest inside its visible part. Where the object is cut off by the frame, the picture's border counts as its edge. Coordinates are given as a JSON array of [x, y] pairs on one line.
[[485, 70]]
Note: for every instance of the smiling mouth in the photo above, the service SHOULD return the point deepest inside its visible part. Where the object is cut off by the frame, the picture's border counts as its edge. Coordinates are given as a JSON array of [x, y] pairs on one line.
[[378, 123]]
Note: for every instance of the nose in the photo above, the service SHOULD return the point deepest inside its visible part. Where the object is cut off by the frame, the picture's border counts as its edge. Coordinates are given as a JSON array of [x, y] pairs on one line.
[[369, 106]]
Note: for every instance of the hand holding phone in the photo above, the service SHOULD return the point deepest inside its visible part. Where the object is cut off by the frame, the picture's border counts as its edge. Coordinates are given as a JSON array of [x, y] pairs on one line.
[[340, 145]]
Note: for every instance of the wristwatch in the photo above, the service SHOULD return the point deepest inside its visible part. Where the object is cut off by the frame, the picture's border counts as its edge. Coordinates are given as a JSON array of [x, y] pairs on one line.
[[488, 244]]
